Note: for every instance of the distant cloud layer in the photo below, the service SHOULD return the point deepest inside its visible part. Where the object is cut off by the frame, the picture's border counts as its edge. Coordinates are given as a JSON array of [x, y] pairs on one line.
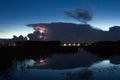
[[80, 14], [69, 32]]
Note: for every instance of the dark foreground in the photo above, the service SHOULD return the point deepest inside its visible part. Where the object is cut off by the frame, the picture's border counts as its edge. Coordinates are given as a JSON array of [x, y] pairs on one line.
[[100, 61]]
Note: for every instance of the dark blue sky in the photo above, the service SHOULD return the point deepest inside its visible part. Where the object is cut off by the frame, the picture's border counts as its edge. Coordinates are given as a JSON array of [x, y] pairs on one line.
[[16, 14]]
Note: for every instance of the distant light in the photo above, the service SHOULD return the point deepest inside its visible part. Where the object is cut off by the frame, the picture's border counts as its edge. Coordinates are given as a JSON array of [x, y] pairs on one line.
[[64, 44], [78, 44], [74, 44], [69, 44]]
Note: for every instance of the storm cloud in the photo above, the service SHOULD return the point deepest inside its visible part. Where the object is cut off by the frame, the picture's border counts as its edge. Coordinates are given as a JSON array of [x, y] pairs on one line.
[[70, 32]]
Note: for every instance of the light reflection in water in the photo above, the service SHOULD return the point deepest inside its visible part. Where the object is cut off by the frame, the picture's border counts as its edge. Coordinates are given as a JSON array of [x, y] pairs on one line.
[[66, 61], [85, 66], [102, 70], [42, 62]]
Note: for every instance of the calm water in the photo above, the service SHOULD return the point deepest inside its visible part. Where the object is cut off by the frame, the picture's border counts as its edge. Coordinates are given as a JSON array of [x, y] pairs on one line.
[[69, 66]]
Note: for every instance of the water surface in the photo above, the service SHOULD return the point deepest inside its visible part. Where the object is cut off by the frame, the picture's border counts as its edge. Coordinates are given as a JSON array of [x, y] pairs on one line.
[[81, 65]]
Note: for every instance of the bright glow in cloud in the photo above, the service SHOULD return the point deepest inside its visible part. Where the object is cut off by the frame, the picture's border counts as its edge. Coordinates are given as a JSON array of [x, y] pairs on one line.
[[41, 29]]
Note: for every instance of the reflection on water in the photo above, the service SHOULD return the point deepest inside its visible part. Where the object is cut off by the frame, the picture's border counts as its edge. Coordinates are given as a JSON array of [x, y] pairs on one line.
[[74, 66], [41, 62], [66, 61]]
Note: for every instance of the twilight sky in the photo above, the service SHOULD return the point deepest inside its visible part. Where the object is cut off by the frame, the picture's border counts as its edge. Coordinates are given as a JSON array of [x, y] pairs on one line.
[[16, 14]]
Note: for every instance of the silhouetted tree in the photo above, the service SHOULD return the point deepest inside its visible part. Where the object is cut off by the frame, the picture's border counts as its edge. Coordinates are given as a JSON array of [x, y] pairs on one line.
[[20, 38], [15, 37], [79, 14]]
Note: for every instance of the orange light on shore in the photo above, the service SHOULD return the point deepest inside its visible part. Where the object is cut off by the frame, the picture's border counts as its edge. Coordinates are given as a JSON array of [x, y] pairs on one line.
[[78, 44], [74, 44], [64, 44], [69, 44]]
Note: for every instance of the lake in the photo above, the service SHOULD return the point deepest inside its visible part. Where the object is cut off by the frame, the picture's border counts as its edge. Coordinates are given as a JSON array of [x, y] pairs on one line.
[[81, 65]]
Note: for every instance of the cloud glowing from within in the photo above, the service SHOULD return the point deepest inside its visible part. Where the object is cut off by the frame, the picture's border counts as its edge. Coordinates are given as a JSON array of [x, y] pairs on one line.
[[42, 30]]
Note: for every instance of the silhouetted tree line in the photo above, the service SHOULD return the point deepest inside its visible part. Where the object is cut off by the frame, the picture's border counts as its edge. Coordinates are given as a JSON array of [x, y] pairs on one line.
[[104, 48]]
